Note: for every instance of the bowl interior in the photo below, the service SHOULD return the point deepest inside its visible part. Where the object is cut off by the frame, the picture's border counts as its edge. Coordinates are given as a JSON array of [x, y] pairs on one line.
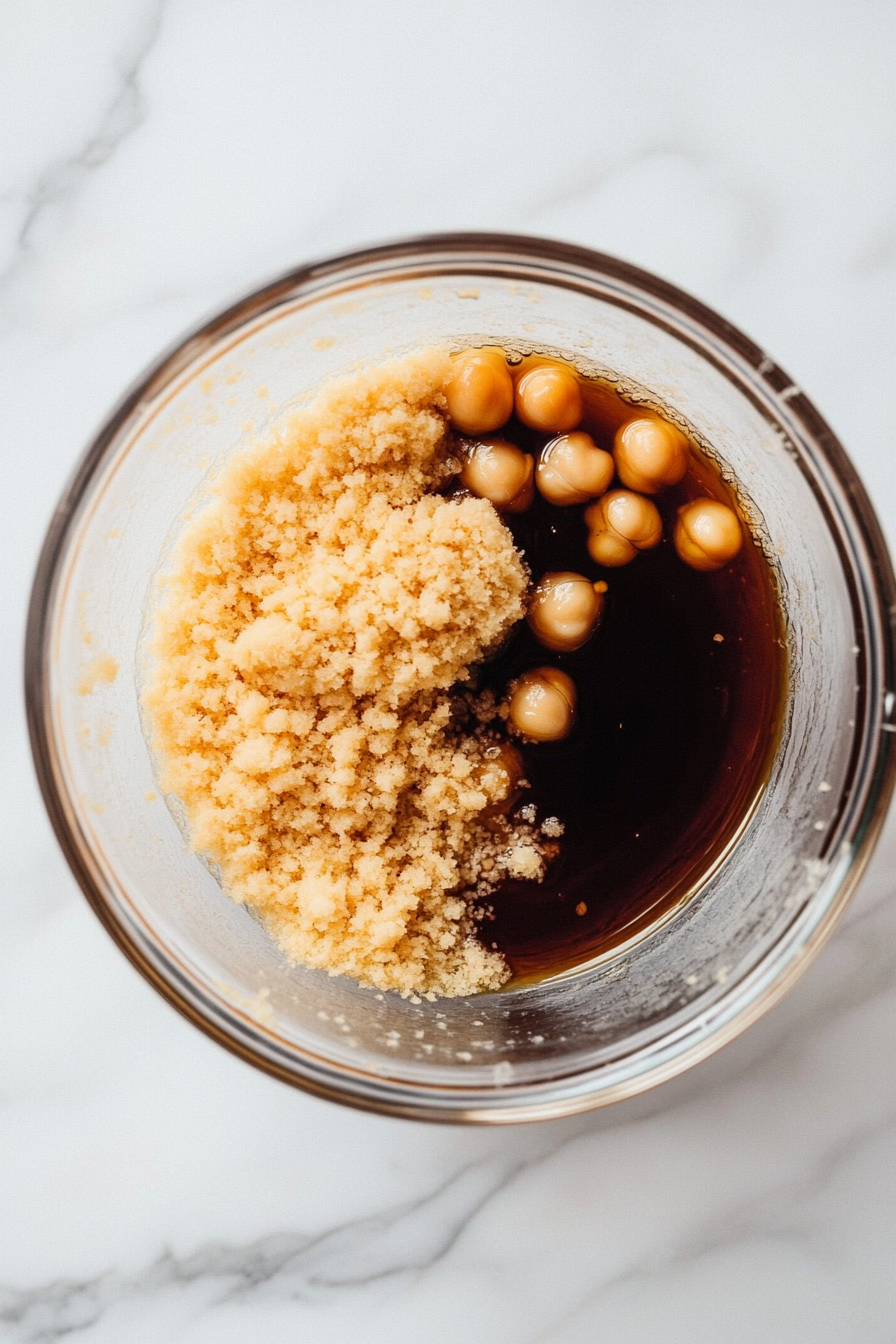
[[564, 1043]]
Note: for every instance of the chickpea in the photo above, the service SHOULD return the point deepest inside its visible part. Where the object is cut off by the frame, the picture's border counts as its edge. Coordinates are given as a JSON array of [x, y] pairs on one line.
[[549, 398], [500, 775], [622, 524], [480, 392], [543, 704], [707, 534], [500, 472], [564, 611], [650, 455], [572, 469]]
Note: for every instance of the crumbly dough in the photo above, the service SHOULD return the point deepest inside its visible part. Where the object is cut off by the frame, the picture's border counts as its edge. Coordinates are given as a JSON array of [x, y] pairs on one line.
[[301, 695]]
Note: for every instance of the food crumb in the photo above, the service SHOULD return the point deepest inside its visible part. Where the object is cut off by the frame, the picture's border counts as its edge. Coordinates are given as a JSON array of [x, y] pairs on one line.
[[524, 861], [99, 671], [581, 908], [552, 827], [719, 639]]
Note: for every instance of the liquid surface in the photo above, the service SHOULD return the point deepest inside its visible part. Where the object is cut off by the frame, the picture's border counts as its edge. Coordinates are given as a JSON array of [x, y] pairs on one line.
[[680, 698]]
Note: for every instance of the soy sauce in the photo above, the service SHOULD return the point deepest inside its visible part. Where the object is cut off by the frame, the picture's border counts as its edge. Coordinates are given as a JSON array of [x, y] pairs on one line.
[[681, 694]]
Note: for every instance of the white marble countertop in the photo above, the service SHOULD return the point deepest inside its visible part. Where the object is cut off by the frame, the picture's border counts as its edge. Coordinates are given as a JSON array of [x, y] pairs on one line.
[[159, 158]]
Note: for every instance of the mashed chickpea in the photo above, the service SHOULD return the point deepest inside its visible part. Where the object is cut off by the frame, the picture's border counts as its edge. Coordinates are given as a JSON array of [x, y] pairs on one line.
[[301, 692]]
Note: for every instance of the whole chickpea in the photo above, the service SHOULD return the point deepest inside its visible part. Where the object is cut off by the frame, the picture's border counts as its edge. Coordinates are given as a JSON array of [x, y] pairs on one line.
[[498, 471], [500, 775], [479, 392], [564, 611], [622, 524], [572, 469], [650, 455], [707, 534], [548, 398], [543, 704]]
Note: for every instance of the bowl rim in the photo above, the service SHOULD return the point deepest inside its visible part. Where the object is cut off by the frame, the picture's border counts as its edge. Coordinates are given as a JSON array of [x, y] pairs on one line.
[[504, 1104]]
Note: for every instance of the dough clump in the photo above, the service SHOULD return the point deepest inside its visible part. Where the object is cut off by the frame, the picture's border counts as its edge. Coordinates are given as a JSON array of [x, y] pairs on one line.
[[301, 696]]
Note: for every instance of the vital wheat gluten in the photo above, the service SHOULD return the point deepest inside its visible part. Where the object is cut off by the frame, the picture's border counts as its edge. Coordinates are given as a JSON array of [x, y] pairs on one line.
[[301, 700]]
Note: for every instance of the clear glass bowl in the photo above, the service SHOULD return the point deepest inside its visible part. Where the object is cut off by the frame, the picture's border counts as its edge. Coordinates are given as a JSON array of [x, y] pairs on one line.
[[605, 1032]]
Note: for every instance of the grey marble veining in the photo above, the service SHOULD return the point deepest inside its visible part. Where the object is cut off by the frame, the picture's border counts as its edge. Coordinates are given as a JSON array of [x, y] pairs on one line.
[[395, 1243], [159, 157], [60, 181]]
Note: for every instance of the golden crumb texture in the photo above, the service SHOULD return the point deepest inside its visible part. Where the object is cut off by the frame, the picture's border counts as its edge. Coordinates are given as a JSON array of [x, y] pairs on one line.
[[306, 649]]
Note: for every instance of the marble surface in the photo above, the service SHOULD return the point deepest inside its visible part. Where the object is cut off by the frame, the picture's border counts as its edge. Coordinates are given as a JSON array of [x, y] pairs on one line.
[[157, 159]]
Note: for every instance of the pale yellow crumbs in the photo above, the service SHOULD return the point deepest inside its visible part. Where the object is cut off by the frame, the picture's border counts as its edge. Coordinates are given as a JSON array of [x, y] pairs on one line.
[[304, 687]]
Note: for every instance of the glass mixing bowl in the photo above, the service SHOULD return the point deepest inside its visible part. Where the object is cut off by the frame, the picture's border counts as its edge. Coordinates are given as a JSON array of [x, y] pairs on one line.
[[606, 1031]]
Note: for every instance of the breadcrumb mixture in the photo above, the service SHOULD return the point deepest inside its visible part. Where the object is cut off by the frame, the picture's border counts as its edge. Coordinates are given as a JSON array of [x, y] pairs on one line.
[[302, 698]]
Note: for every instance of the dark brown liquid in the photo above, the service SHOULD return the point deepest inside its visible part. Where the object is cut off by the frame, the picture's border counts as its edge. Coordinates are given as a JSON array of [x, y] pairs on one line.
[[674, 734]]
